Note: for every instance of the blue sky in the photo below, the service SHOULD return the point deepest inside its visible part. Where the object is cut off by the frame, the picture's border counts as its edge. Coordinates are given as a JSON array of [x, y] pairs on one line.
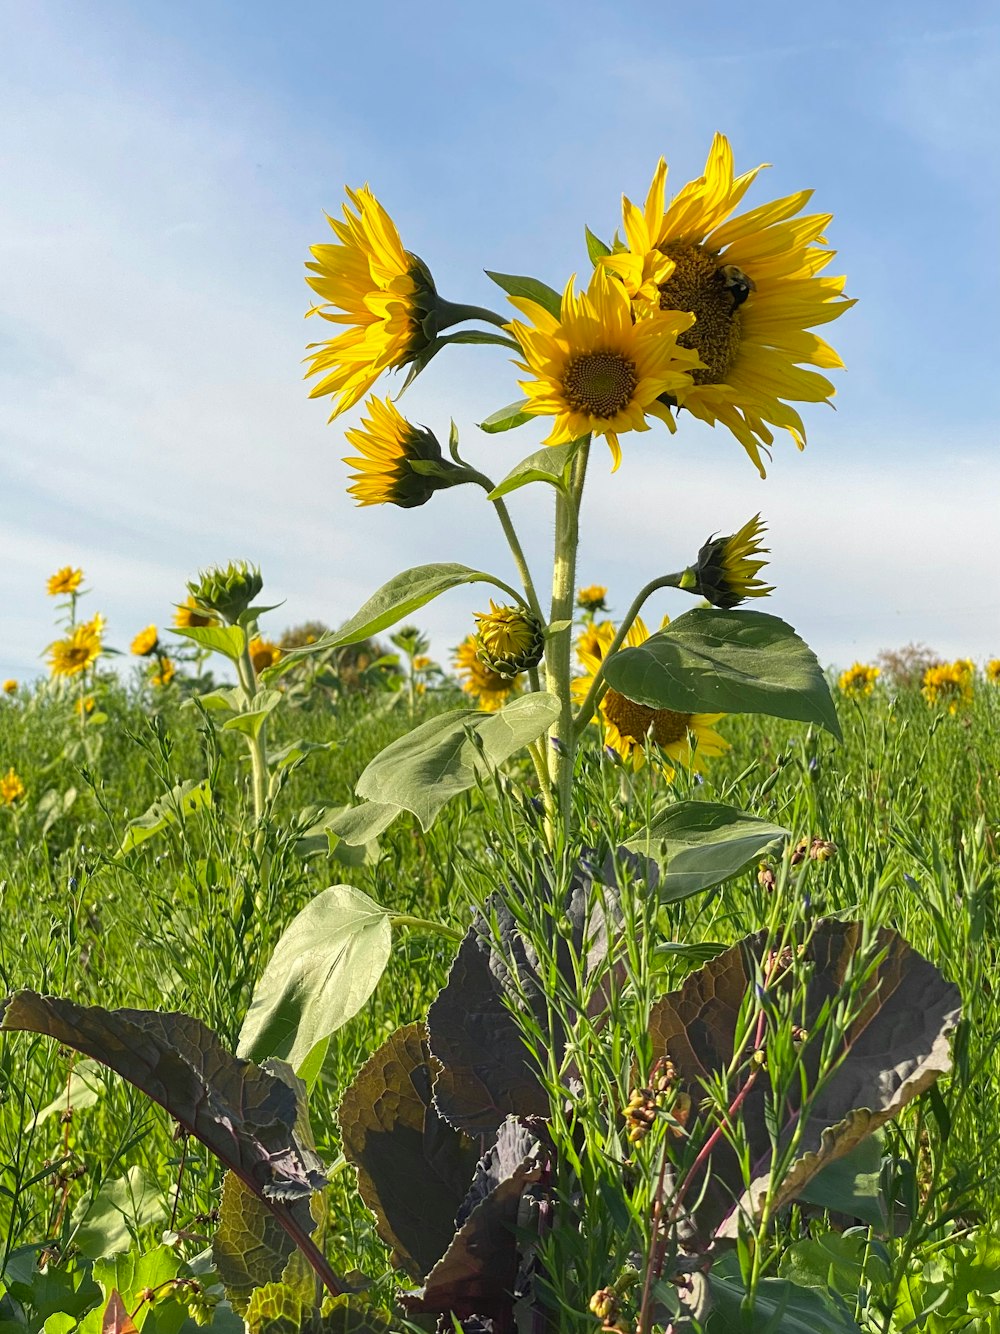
[[164, 169]]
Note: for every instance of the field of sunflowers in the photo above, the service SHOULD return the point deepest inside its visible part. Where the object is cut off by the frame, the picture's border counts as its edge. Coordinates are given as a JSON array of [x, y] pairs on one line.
[[601, 973]]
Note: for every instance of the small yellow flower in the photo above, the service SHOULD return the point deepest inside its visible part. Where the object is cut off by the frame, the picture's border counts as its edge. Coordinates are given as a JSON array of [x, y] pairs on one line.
[[382, 293], [992, 672], [389, 446], [79, 650], [592, 598], [490, 689], [11, 787], [165, 673], [630, 726], [188, 615], [10, 686], [754, 284], [421, 663], [66, 580], [597, 369], [859, 679], [145, 642], [949, 684], [263, 653], [510, 640], [85, 704], [727, 569]]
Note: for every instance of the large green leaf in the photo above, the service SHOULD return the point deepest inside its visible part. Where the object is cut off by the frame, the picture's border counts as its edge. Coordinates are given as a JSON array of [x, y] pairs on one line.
[[323, 969], [710, 660], [445, 755], [701, 843], [548, 464], [780, 1308], [106, 1223], [851, 1185], [185, 799], [534, 289], [403, 594], [229, 640], [507, 418]]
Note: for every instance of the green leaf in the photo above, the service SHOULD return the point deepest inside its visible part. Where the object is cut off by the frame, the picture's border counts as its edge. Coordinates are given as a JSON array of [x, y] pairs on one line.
[[852, 1185], [843, 1261], [403, 594], [250, 722], [781, 1307], [293, 751], [710, 661], [183, 800], [548, 464], [596, 248], [249, 1247], [84, 1088], [106, 1224], [228, 698], [445, 755], [506, 419], [532, 288], [229, 640], [323, 969], [701, 844], [130, 1275]]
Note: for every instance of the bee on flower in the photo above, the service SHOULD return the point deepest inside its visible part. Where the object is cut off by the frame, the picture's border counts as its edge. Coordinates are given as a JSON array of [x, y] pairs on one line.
[[858, 680]]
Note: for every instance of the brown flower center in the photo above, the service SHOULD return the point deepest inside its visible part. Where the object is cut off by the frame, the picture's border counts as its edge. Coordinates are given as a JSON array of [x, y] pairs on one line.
[[699, 285], [600, 383], [632, 720], [670, 727]]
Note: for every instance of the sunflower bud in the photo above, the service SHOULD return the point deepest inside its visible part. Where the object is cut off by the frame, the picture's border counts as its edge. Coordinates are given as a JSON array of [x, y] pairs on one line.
[[229, 591], [398, 463], [510, 640], [592, 599], [725, 573]]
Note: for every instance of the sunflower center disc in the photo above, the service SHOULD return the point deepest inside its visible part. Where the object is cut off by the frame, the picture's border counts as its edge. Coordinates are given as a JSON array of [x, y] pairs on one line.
[[600, 383], [697, 284], [631, 719], [670, 727]]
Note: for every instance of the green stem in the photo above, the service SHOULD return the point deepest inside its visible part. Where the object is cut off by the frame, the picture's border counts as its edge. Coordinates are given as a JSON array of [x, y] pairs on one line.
[[453, 312], [424, 924], [558, 651], [513, 541], [597, 687], [258, 755]]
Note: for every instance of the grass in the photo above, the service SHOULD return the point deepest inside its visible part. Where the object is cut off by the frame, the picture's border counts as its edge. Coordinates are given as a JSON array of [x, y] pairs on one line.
[[910, 799]]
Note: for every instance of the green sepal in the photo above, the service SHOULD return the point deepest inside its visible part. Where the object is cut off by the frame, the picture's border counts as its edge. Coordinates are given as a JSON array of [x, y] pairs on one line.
[[531, 288], [596, 248]]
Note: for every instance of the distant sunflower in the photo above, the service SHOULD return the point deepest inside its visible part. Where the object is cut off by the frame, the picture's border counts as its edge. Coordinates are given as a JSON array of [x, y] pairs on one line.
[[752, 282], [145, 642], [10, 686], [189, 615], [949, 685], [992, 672], [592, 599], [389, 446], [11, 787], [66, 580], [165, 673], [381, 292], [490, 689], [595, 368], [79, 650], [859, 680], [263, 653], [629, 726]]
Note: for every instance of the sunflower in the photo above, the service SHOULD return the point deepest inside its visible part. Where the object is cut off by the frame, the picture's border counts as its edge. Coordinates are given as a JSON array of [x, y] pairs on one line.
[[368, 282], [10, 686], [263, 653], [188, 615], [79, 650], [592, 599], [11, 787], [859, 679], [509, 639], [949, 684], [992, 672], [389, 446], [145, 642], [85, 704], [490, 689], [629, 726], [165, 673], [754, 284], [66, 580], [727, 569], [596, 369], [594, 641]]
